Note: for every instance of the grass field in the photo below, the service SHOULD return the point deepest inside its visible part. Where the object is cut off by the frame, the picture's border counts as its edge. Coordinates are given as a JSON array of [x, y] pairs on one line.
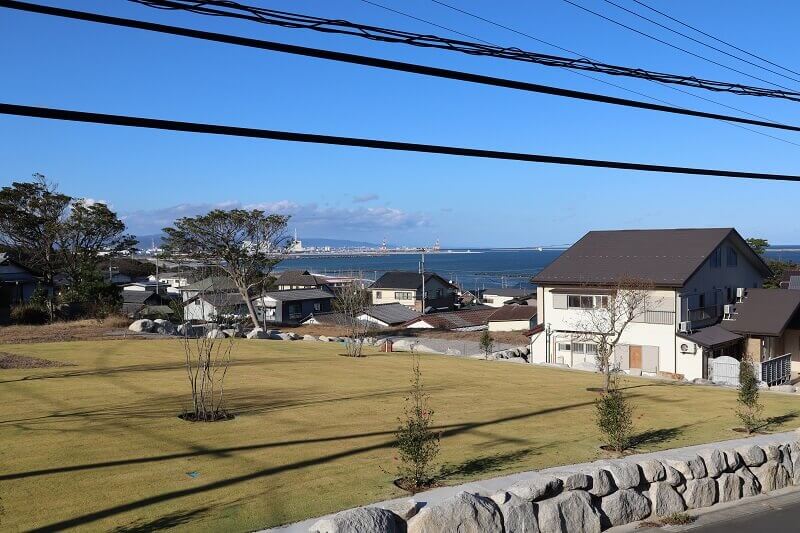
[[98, 445]]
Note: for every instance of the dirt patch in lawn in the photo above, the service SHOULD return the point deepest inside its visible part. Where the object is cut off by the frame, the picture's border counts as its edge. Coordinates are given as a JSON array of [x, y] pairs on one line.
[[76, 330], [11, 360]]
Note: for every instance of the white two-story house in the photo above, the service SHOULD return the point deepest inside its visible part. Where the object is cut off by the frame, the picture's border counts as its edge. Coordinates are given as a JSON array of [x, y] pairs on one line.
[[691, 275]]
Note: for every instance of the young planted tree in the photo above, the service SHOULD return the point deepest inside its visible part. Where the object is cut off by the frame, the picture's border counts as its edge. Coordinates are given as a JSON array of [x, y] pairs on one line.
[[246, 245], [614, 417], [486, 343], [351, 301], [417, 443], [603, 319], [749, 408]]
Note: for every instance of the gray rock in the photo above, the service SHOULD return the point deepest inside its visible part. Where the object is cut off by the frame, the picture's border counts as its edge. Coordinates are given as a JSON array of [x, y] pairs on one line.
[[674, 477], [142, 326], [464, 512], [282, 336], [404, 509], [574, 480], [729, 487], [570, 511], [324, 338], [625, 475], [665, 499], [773, 452], [536, 487], [519, 515], [257, 333], [771, 476], [691, 466], [163, 327], [701, 381], [700, 493], [715, 461], [750, 483], [359, 520], [216, 334], [653, 470], [752, 455], [635, 372], [795, 456], [732, 460], [602, 482], [624, 506], [783, 388], [786, 459], [515, 360], [310, 338], [453, 351]]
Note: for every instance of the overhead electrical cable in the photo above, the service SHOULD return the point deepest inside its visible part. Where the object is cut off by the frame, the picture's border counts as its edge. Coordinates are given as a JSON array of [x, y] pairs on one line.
[[698, 30], [228, 8], [380, 63], [671, 45], [236, 131], [734, 56]]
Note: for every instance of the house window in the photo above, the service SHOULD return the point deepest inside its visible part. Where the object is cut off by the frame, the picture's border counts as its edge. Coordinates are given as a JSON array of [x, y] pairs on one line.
[[716, 258], [586, 302], [564, 347], [295, 312], [378, 295], [733, 258], [438, 293], [404, 296], [317, 306], [584, 348]]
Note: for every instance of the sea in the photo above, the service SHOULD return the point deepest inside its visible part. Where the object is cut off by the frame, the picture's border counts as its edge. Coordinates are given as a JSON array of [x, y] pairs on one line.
[[470, 269]]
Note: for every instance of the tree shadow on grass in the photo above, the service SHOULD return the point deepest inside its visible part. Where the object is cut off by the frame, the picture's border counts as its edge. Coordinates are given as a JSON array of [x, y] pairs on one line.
[[169, 521], [483, 465], [653, 437], [774, 422]]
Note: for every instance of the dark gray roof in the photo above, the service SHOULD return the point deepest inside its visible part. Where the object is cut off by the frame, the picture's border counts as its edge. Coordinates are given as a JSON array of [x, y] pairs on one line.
[[665, 257], [513, 312], [301, 278], [463, 318], [393, 313], [222, 299], [764, 312], [510, 292], [137, 297], [399, 279], [299, 294], [712, 336], [211, 284]]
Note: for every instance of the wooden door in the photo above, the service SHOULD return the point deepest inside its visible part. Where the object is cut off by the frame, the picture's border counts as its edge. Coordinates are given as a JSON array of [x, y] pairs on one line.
[[636, 356]]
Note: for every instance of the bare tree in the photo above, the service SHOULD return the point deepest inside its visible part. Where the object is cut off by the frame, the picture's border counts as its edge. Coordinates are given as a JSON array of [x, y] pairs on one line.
[[606, 319], [351, 301]]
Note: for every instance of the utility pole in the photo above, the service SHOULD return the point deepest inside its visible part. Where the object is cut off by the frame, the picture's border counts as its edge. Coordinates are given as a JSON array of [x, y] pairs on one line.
[[153, 245], [422, 271]]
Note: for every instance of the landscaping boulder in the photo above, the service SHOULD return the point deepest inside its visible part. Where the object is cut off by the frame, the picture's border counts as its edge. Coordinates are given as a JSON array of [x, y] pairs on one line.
[[257, 333], [574, 480], [216, 334], [691, 466], [163, 327], [674, 477], [771, 476], [142, 326], [795, 457], [752, 455], [404, 509], [750, 483], [701, 381], [359, 520], [729, 487], [625, 475], [402, 345], [773, 452], [515, 360], [310, 338], [453, 351], [569, 511], [733, 460], [536, 487], [700, 493], [464, 512], [786, 459], [519, 515], [282, 336], [602, 483], [653, 470], [715, 461], [623, 507], [322, 338], [665, 500]]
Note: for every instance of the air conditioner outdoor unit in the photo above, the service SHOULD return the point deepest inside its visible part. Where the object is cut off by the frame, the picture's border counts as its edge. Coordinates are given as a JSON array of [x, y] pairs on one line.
[[685, 327], [688, 348], [727, 312], [740, 294]]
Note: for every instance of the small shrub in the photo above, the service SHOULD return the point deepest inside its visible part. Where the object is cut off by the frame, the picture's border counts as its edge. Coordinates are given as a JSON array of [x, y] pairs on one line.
[[30, 314], [614, 416], [486, 343], [749, 408], [677, 519], [417, 444]]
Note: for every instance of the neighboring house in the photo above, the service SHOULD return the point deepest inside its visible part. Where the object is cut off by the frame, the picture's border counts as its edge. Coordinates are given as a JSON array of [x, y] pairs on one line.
[[210, 306], [299, 279], [471, 319], [693, 272], [382, 316], [141, 304], [17, 285], [293, 305], [513, 318], [174, 280], [499, 297], [406, 288], [790, 280], [146, 286]]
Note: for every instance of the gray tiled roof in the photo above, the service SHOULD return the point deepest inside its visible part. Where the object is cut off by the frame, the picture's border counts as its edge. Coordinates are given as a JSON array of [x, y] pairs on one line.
[[299, 278], [298, 294], [665, 257], [393, 313], [764, 312], [711, 336], [399, 279], [513, 312]]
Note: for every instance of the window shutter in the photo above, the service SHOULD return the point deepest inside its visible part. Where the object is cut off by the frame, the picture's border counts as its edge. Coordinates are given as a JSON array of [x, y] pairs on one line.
[[559, 301]]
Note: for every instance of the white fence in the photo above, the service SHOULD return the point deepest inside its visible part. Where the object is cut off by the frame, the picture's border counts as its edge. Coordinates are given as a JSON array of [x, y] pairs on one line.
[[725, 370]]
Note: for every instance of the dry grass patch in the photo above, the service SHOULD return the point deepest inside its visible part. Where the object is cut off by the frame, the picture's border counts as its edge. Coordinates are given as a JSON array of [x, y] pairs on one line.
[[65, 331], [98, 446], [12, 360]]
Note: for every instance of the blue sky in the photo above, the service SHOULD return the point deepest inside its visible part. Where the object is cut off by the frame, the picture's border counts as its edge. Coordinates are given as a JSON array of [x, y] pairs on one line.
[[151, 177]]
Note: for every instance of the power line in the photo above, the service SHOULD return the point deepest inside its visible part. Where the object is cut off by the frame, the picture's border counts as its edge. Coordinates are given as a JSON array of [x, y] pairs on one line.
[[229, 8], [380, 63], [634, 13], [236, 131], [715, 38], [667, 43]]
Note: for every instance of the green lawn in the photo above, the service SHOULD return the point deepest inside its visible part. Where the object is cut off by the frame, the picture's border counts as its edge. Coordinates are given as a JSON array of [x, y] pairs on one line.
[[99, 446]]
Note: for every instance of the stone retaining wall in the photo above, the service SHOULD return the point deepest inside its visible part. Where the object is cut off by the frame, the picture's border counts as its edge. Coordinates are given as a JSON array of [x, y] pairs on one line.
[[593, 497]]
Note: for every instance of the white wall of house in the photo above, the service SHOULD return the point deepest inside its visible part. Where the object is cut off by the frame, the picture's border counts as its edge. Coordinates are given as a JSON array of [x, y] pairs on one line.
[[366, 318], [199, 309], [494, 300], [420, 324], [433, 289], [511, 325]]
